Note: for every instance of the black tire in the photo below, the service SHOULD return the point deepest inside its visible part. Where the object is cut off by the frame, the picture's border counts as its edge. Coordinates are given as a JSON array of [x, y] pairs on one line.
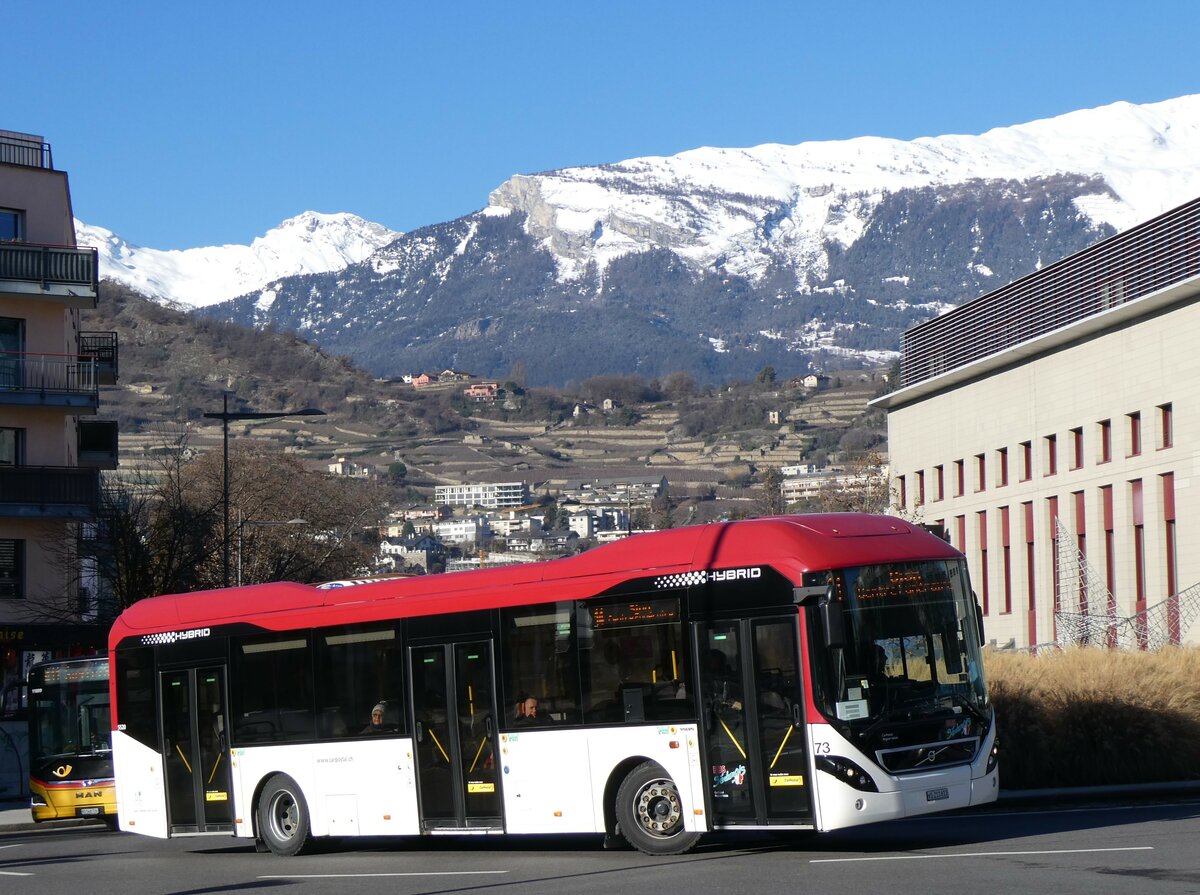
[[283, 817], [649, 812]]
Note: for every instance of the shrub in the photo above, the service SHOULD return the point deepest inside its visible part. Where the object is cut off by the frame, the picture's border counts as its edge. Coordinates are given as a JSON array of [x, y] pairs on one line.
[[1090, 717]]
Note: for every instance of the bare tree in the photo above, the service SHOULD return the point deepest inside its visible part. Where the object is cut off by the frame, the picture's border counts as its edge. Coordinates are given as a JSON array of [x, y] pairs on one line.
[[771, 502], [863, 488], [288, 522], [161, 530]]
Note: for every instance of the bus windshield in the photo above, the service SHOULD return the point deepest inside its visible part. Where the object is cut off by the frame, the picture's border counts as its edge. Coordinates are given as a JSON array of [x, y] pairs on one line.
[[906, 648], [68, 717]]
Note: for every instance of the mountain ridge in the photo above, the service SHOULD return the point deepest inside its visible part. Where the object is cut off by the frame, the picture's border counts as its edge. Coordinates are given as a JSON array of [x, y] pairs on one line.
[[719, 262]]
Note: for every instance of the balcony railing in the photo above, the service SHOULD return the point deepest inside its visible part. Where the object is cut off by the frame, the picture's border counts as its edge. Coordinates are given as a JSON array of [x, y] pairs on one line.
[[71, 270], [56, 379], [25, 149], [49, 492], [103, 347]]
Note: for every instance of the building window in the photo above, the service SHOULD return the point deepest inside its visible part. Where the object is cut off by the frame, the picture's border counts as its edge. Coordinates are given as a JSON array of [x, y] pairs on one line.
[[12, 569], [1138, 519], [920, 487], [985, 595], [1006, 559], [1002, 467], [1166, 437], [1105, 427], [959, 478], [12, 447], [1135, 434], [1026, 460], [902, 493], [1030, 576], [1077, 448], [1051, 442], [1110, 558], [1174, 620], [11, 225], [980, 472], [939, 482]]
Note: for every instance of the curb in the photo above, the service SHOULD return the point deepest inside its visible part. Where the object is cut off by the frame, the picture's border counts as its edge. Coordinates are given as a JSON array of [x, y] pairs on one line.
[[1075, 793]]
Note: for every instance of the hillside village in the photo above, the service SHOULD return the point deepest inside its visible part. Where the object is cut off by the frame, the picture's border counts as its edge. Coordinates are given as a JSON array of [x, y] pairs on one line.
[[525, 475]]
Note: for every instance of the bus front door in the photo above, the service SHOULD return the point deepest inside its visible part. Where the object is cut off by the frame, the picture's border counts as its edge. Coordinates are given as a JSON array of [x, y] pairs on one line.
[[195, 752], [754, 720], [453, 703]]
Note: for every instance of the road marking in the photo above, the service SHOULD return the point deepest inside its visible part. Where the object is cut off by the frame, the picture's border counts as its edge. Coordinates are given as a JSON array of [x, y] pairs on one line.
[[985, 854], [370, 875], [13, 873], [14, 845]]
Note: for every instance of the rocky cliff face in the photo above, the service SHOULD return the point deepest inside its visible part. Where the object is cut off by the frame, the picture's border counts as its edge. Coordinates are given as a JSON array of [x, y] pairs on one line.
[[722, 261]]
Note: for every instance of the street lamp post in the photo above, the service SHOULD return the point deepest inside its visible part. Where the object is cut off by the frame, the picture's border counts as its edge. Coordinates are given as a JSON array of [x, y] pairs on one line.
[[225, 416]]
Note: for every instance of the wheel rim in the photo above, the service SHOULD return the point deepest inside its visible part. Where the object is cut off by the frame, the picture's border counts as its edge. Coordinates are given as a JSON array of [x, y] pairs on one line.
[[657, 808], [283, 815]]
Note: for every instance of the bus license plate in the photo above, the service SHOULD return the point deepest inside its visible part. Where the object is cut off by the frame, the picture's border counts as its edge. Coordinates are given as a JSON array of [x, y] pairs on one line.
[[936, 795], [85, 812]]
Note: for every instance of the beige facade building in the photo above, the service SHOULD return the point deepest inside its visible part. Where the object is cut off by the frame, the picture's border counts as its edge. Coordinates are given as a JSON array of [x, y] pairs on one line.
[[1052, 428], [51, 445]]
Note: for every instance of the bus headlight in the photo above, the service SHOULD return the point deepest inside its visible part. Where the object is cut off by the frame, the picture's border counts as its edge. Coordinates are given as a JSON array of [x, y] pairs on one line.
[[994, 757], [846, 771]]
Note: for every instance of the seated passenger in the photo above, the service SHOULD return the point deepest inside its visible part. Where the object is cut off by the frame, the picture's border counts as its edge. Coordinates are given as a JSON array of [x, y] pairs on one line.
[[376, 725], [527, 712]]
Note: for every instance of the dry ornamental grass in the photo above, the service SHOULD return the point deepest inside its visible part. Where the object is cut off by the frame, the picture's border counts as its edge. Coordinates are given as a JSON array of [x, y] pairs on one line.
[[1090, 717]]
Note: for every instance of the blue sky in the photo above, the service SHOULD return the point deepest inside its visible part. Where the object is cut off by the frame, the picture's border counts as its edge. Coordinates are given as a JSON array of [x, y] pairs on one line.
[[188, 124]]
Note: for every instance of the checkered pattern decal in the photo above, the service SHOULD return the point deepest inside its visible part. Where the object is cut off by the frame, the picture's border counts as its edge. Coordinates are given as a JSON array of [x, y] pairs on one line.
[[687, 579]]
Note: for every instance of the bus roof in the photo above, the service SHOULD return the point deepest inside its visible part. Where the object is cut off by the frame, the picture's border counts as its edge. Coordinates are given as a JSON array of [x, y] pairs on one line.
[[791, 545]]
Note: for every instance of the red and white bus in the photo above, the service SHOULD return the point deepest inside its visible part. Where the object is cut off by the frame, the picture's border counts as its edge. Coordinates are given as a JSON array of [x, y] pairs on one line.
[[787, 673]]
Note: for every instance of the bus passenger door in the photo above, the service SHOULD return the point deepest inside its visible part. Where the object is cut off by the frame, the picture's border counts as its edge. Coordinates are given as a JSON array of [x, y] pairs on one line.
[[455, 732], [752, 693], [195, 751]]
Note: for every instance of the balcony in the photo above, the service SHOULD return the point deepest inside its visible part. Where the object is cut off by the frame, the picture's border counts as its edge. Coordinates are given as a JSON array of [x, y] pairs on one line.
[[67, 275], [97, 441], [27, 150], [49, 492], [49, 380], [103, 347]]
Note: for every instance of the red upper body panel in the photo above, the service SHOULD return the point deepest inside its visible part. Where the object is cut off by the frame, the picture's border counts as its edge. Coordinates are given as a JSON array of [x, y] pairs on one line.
[[792, 545]]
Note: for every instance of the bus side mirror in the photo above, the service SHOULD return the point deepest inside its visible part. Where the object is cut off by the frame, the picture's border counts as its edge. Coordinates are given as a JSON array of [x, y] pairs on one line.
[[979, 619], [833, 625]]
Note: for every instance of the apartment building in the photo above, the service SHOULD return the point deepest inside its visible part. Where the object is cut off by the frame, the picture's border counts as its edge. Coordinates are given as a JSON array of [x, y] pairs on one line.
[[493, 495], [1052, 428], [51, 445]]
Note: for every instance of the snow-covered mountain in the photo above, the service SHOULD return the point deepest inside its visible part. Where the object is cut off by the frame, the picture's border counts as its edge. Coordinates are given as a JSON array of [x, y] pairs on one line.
[[743, 210], [722, 261], [308, 243]]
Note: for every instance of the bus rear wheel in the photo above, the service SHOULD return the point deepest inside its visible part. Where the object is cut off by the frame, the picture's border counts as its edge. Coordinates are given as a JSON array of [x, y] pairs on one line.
[[283, 817], [650, 812]]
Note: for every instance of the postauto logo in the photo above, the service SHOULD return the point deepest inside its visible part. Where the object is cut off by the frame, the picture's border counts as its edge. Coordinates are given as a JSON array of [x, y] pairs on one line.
[[692, 579]]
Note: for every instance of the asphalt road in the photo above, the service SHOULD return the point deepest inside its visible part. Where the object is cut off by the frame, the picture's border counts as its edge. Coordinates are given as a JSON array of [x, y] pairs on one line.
[[1093, 850]]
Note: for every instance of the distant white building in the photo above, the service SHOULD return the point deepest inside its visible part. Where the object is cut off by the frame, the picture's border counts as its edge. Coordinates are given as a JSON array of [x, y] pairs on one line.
[[583, 524], [342, 466], [634, 490], [422, 551], [473, 532], [491, 495]]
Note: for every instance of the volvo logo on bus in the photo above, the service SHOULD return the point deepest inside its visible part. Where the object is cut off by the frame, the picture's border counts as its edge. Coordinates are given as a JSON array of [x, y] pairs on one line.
[[691, 579]]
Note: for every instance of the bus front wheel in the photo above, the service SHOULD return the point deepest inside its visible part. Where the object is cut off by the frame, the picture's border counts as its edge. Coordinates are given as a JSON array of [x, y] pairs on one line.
[[650, 813], [283, 816]]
